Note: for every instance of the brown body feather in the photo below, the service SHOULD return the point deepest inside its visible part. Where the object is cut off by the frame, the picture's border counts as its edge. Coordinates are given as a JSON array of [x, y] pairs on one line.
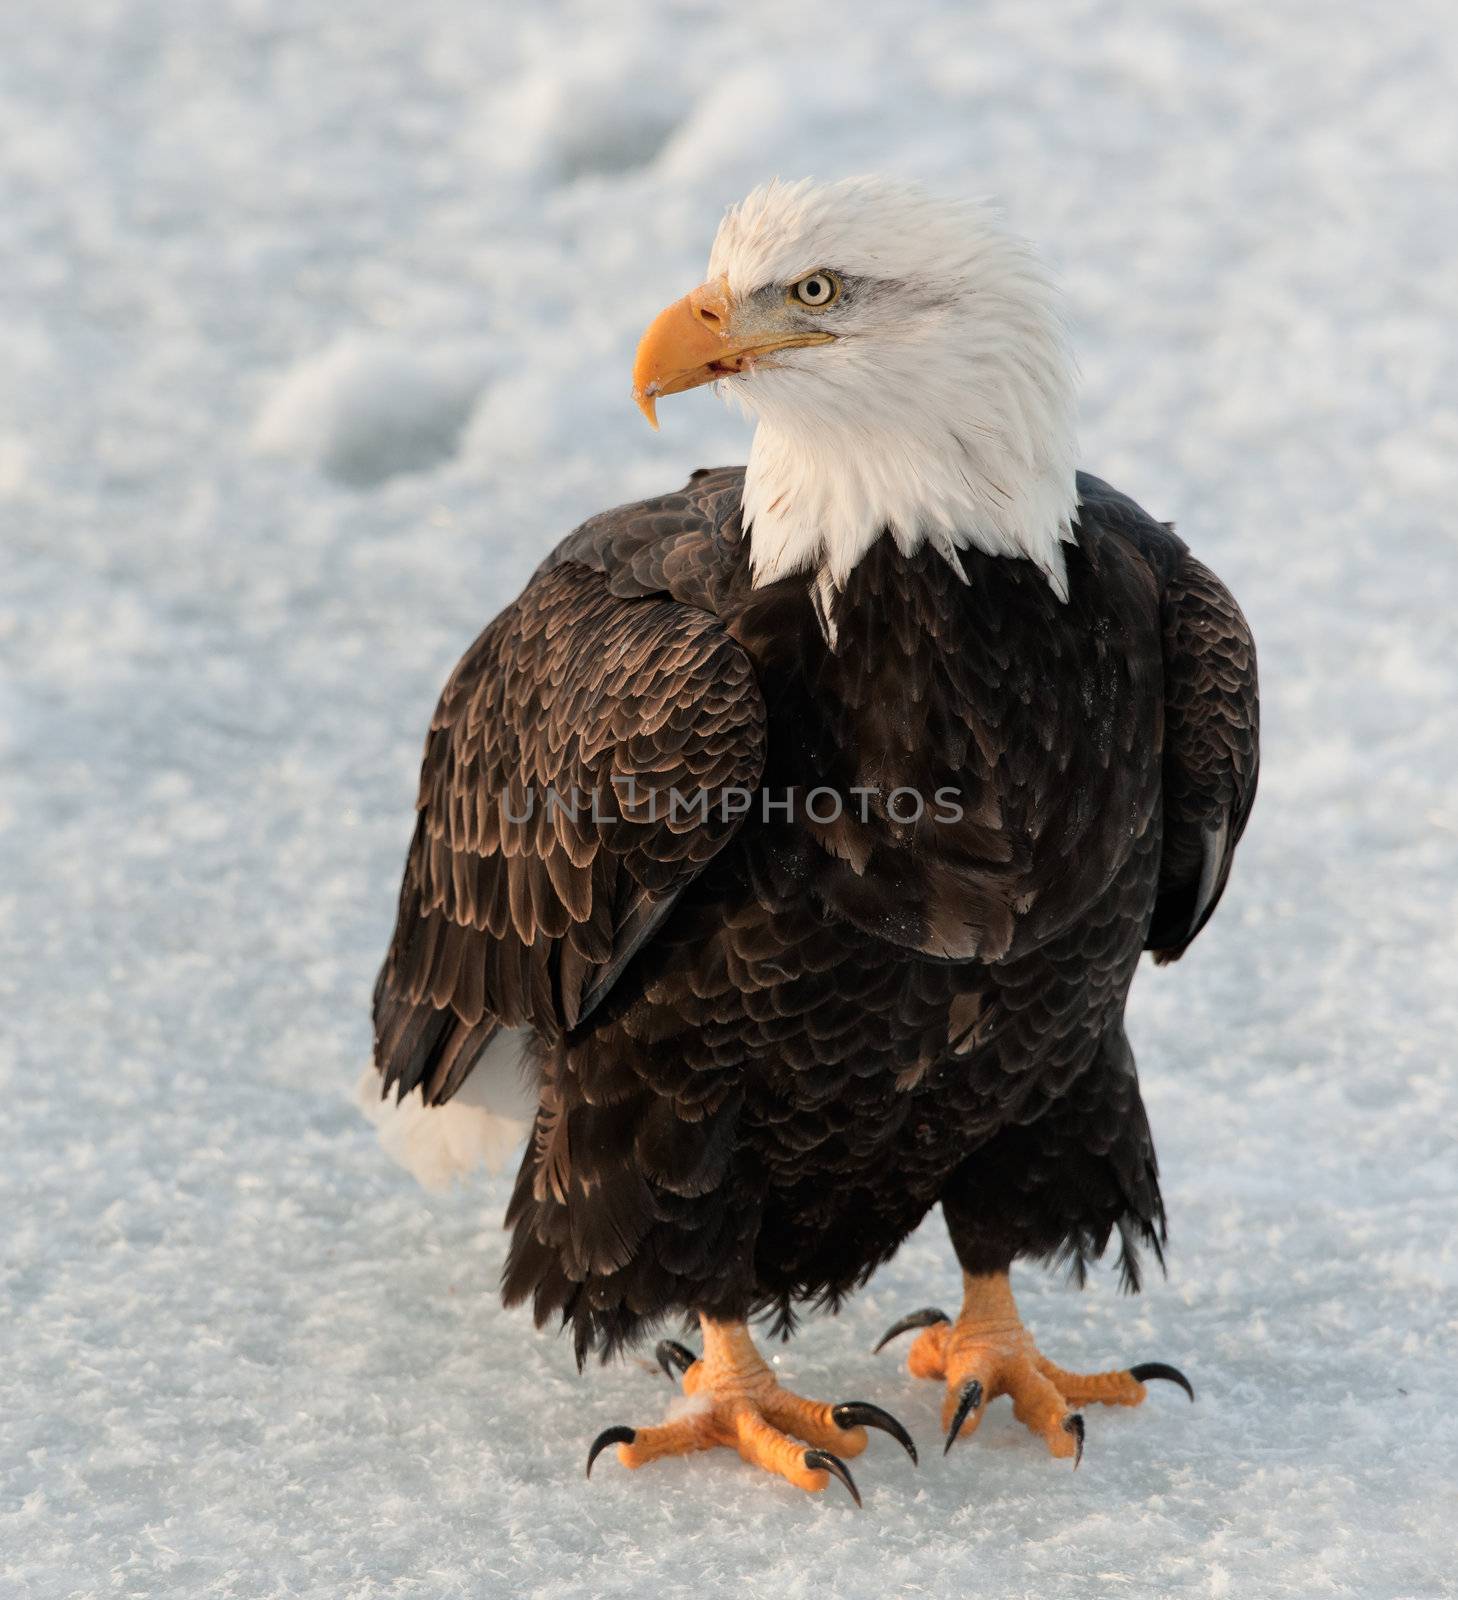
[[768, 1045]]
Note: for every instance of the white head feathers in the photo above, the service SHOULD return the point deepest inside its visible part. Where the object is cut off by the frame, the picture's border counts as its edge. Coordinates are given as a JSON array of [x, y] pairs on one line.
[[944, 408]]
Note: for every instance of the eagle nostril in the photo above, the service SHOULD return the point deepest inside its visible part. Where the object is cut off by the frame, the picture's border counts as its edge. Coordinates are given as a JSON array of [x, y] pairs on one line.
[[710, 318]]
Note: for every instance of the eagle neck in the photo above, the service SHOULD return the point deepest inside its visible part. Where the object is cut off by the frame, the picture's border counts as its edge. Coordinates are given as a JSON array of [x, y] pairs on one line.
[[817, 504]]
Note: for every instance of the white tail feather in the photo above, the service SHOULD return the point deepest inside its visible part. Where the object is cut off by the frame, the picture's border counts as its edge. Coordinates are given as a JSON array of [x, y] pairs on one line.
[[483, 1124]]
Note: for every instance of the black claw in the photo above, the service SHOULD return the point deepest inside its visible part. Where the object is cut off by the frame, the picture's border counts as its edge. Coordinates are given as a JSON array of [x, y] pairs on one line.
[[925, 1318], [861, 1414], [1158, 1369], [618, 1435], [1074, 1425], [671, 1354], [967, 1402], [823, 1461]]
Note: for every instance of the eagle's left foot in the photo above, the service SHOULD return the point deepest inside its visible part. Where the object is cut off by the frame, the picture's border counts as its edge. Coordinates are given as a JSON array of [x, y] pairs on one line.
[[987, 1352], [733, 1400]]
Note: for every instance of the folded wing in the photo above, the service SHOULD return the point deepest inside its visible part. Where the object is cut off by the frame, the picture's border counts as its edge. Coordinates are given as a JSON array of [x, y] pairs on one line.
[[572, 786], [1212, 752]]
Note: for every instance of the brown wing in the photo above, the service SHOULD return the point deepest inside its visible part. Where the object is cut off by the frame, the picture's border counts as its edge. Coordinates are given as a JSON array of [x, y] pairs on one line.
[[560, 815], [1212, 752]]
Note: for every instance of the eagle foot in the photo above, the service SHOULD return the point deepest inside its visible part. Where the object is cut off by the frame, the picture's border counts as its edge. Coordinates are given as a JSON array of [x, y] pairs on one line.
[[731, 1398], [987, 1352]]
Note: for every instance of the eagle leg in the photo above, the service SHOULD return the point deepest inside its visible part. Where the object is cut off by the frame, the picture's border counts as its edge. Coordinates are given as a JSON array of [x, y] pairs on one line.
[[987, 1351], [732, 1399]]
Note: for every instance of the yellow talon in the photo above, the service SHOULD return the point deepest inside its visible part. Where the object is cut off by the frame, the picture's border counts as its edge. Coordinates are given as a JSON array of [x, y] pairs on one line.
[[736, 1402], [988, 1352]]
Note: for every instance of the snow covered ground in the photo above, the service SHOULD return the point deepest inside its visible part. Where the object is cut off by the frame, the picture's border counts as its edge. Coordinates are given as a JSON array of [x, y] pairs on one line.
[[315, 329]]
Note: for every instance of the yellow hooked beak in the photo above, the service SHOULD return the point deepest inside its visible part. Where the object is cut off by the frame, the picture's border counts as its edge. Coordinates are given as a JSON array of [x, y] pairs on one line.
[[695, 341]]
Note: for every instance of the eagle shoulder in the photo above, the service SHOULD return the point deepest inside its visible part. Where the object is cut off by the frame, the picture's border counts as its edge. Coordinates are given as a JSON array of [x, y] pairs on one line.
[[687, 545]]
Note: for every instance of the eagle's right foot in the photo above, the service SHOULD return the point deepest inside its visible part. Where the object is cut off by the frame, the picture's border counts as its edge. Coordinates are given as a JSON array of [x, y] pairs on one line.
[[733, 1399], [987, 1352]]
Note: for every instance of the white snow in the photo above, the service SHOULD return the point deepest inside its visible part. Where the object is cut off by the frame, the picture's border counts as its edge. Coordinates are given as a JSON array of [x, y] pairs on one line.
[[368, 409], [242, 1354]]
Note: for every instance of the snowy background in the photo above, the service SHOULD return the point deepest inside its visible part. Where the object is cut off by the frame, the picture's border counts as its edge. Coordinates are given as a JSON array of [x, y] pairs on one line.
[[315, 329]]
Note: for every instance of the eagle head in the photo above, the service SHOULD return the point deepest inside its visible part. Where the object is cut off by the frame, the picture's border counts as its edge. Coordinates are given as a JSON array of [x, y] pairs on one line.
[[906, 360]]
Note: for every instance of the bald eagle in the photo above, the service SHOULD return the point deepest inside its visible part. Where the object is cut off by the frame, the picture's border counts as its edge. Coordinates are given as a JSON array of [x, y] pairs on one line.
[[806, 826]]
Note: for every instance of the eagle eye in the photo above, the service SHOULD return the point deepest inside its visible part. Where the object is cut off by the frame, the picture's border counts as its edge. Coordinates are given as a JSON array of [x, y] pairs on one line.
[[816, 290]]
